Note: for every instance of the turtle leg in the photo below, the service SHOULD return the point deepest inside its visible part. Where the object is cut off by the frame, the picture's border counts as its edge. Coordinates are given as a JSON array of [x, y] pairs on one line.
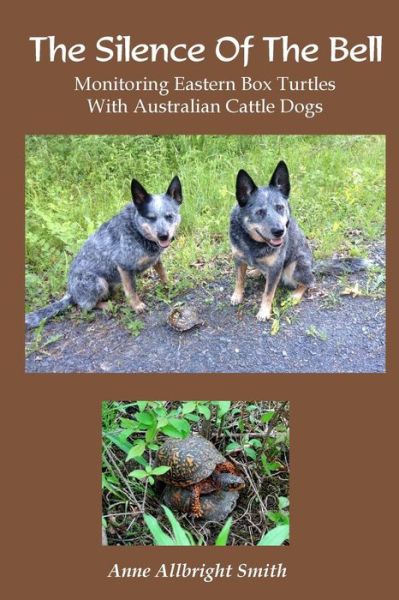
[[195, 502], [226, 467]]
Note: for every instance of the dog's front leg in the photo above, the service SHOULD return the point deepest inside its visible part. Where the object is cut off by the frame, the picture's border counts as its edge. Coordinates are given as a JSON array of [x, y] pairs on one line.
[[238, 294], [265, 311], [160, 271], [129, 287]]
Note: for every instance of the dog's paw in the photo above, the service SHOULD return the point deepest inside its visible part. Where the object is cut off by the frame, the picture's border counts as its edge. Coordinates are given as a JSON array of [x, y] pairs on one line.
[[139, 308], [236, 298], [297, 294], [295, 299], [264, 314]]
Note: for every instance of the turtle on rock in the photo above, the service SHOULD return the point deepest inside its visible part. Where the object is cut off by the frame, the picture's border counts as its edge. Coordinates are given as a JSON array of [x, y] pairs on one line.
[[200, 480], [215, 506]]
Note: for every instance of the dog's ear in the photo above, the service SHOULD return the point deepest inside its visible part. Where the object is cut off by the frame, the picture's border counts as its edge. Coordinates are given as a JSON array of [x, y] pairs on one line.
[[281, 179], [174, 190], [245, 186], [139, 194]]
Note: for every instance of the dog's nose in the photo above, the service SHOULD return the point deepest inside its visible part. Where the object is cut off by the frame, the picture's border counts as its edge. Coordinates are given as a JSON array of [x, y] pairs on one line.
[[277, 232], [163, 237]]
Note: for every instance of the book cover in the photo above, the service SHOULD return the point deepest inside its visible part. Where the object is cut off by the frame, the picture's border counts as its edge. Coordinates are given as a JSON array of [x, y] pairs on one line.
[[199, 208]]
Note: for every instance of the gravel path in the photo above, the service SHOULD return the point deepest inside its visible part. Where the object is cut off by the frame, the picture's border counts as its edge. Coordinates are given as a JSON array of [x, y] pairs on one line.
[[327, 333]]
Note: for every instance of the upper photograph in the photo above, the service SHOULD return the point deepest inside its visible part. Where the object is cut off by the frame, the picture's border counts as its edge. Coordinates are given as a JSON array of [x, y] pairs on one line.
[[205, 254]]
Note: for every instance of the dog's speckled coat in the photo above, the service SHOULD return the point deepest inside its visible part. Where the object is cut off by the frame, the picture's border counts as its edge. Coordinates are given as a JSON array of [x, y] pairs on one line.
[[127, 244], [264, 235]]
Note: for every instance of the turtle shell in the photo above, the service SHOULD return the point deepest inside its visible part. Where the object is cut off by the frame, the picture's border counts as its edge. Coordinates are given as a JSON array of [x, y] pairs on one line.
[[190, 460], [183, 318], [215, 506]]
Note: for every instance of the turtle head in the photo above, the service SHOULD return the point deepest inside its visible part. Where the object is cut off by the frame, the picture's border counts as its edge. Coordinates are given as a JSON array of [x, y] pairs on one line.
[[230, 482]]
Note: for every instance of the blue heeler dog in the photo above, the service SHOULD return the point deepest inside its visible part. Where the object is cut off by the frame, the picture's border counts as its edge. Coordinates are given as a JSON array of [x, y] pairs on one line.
[[264, 235], [129, 243]]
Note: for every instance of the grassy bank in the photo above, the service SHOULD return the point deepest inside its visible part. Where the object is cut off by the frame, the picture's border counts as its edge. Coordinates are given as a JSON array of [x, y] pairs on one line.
[[75, 183]]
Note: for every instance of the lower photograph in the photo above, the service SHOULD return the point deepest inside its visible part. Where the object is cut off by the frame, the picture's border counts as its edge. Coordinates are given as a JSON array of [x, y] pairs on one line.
[[195, 473]]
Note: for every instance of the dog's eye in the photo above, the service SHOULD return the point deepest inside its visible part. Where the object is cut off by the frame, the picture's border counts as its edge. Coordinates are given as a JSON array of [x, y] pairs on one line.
[[169, 217], [151, 217], [279, 208], [261, 213]]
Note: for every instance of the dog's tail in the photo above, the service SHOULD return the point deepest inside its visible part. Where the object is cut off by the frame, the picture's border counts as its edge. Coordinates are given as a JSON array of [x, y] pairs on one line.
[[34, 319], [341, 266]]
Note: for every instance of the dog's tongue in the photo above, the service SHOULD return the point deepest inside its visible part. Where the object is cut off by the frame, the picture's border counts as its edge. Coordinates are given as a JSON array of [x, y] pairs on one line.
[[164, 244], [276, 242]]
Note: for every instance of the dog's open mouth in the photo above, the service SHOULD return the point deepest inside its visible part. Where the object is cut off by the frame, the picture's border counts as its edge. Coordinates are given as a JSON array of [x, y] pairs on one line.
[[275, 242], [272, 242], [164, 243]]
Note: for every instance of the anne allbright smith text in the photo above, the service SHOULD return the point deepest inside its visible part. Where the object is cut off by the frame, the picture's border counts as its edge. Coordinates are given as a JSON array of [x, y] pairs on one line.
[[206, 573]]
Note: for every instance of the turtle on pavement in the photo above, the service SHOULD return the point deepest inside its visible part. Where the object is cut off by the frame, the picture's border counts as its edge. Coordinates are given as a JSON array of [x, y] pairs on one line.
[[198, 467], [183, 318]]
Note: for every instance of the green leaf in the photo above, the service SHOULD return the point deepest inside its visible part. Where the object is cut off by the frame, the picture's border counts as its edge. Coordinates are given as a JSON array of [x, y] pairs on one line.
[[171, 431], [160, 410], [188, 407], [232, 447], [255, 443], [251, 453], [274, 466], [194, 418], [153, 446], [267, 416], [181, 425], [119, 442], [150, 434], [221, 539], [275, 328], [162, 421], [204, 410], [138, 474], [124, 445], [136, 450], [160, 470], [273, 516], [128, 424], [283, 502], [276, 536], [182, 537], [223, 407], [141, 404], [160, 537], [145, 418]]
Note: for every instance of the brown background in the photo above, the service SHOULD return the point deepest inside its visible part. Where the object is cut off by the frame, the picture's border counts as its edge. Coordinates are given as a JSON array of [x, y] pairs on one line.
[[343, 438]]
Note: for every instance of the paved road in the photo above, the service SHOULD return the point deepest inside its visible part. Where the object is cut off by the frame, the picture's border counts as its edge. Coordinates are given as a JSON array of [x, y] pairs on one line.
[[344, 336]]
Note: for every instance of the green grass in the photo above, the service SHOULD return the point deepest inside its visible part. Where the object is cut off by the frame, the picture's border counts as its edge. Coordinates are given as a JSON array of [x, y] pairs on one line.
[[75, 183]]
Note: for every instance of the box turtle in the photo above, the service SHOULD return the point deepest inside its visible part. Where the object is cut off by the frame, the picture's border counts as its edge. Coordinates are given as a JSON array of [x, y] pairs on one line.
[[183, 318], [196, 465], [215, 506]]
